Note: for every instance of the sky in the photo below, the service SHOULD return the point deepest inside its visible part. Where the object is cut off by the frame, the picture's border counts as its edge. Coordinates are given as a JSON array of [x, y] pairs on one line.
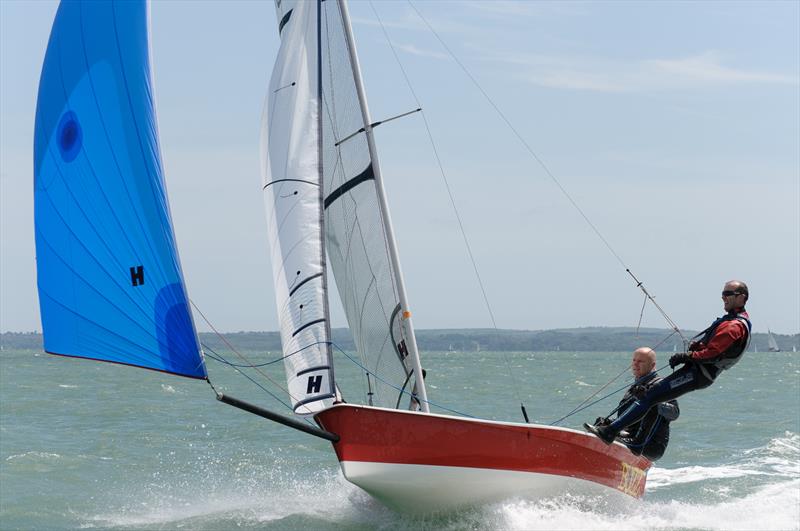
[[674, 126]]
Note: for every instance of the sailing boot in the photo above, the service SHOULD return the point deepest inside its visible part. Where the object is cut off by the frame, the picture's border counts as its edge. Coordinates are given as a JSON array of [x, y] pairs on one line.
[[604, 433]]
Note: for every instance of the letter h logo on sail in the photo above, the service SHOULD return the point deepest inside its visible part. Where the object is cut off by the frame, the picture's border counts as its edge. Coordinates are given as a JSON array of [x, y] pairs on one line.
[[402, 349], [314, 384], [137, 275]]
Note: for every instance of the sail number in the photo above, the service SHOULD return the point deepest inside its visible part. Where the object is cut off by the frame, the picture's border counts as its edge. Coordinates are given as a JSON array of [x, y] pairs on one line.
[[137, 275], [632, 480]]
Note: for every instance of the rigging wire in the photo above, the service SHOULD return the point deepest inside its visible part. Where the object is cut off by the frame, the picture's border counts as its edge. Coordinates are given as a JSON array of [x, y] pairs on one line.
[[612, 380], [218, 357], [627, 385], [245, 359], [515, 383], [402, 390], [577, 408], [541, 163]]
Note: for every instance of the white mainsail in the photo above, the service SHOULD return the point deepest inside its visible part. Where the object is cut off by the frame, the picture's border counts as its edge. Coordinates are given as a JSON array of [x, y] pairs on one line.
[[321, 175], [291, 167]]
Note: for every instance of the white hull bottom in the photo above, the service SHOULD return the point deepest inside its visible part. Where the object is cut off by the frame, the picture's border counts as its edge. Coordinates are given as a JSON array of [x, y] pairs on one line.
[[427, 488]]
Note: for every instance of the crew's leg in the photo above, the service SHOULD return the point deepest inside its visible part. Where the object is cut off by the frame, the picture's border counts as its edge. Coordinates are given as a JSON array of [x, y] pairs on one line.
[[687, 378]]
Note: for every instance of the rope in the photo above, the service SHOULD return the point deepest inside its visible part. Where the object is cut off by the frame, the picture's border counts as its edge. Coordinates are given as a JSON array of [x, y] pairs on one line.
[[244, 358], [276, 360], [403, 391], [541, 163], [470, 254], [594, 394], [219, 358], [222, 360], [626, 386]]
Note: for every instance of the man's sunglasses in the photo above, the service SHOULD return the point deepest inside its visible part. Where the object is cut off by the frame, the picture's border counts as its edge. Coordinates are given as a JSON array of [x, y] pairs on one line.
[[727, 293]]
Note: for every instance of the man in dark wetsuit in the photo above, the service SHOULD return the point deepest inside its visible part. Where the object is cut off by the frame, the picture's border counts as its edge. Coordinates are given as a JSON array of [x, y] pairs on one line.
[[648, 437], [717, 348]]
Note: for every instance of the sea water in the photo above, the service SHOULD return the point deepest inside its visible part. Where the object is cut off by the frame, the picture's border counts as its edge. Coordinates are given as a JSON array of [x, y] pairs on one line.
[[88, 445]]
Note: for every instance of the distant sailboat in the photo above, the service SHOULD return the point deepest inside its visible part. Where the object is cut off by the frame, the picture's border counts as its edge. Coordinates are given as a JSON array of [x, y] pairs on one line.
[[773, 345]]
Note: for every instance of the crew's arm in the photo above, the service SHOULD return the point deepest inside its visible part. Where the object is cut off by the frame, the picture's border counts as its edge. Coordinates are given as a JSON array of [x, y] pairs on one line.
[[726, 335]]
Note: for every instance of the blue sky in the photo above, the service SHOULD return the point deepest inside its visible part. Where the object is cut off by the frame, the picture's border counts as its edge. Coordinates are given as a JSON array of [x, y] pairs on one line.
[[674, 125]]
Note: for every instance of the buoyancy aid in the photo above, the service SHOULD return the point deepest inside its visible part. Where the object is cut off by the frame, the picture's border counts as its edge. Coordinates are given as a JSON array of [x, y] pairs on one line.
[[732, 354]]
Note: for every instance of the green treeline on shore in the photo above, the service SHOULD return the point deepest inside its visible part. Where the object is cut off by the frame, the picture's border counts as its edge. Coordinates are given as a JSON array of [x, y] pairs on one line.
[[590, 339]]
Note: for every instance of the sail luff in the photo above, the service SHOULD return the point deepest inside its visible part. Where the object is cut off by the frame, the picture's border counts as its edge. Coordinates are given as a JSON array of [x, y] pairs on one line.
[[405, 317], [323, 252]]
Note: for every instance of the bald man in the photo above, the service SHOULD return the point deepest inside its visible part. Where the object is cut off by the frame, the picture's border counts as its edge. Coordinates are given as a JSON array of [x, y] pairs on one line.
[[650, 435], [717, 348]]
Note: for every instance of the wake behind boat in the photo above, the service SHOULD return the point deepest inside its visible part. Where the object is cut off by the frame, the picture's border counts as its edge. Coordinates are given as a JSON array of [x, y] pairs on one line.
[[111, 286]]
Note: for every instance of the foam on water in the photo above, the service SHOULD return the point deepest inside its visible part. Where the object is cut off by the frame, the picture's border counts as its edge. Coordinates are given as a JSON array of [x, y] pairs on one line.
[[34, 456], [335, 503], [779, 458], [264, 494], [772, 507]]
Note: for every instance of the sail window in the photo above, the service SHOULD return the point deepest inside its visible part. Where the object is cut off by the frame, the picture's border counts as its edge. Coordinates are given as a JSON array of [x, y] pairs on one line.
[[70, 136]]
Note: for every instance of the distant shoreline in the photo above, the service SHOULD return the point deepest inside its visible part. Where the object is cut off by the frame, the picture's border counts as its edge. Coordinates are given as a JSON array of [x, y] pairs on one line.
[[588, 339]]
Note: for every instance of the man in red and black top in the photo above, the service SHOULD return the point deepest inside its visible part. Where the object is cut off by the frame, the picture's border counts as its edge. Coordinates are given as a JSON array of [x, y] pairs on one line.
[[716, 348]]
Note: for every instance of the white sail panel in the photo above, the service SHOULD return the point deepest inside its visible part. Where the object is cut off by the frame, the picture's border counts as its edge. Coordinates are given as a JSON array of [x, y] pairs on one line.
[[357, 238], [290, 148]]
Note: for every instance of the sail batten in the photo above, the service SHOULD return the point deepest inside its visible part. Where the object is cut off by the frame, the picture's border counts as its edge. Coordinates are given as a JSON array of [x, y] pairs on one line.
[[110, 281]]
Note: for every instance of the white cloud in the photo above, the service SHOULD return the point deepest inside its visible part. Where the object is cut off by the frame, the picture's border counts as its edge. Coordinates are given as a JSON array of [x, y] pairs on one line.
[[410, 48], [516, 9], [591, 74], [407, 24], [706, 68]]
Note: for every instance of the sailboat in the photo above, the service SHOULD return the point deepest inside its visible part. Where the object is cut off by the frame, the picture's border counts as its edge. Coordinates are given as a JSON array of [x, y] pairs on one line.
[[111, 287], [327, 206], [772, 344]]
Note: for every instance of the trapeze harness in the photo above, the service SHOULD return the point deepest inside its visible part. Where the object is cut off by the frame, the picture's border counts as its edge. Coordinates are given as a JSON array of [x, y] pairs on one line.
[[711, 367]]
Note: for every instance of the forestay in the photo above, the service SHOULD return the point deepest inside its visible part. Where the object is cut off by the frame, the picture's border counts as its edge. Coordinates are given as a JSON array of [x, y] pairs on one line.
[[109, 277]]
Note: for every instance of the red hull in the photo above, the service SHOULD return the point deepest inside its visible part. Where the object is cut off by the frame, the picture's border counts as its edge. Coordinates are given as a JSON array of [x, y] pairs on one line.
[[374, 435]]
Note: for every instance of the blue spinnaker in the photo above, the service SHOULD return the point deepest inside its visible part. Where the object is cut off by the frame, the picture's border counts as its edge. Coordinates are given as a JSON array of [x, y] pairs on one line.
[[110, 281]]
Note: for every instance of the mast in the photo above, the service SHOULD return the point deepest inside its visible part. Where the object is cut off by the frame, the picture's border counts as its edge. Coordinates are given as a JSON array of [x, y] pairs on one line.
[[406, 322]]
